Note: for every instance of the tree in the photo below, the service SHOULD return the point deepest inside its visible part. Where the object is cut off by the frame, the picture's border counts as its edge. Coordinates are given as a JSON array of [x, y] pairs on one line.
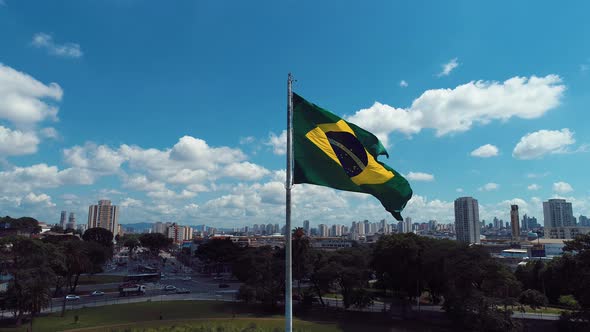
[[301, 251], [76, 262], [217, 253], [155, 242], [32, 265], [398, 260], [352, 275], [262, 270], [100, 235], [533, 298]]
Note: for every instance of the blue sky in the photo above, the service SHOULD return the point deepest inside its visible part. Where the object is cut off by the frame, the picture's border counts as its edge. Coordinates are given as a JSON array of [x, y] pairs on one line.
[[175, 111]]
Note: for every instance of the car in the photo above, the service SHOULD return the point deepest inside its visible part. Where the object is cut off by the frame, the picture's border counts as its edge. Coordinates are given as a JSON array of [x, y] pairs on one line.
[[186, 279], [223, 286], [218, 278], [97, 293], [182, 291], [72, 297], [170, 288]]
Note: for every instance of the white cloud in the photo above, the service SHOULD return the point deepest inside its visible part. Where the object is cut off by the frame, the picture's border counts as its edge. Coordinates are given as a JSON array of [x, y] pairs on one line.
[[66, 50], [23, 98], [42, 200], [457, 110], [49, 132], [537, 144], [485, 151], [419, 176], [278, 143], [16, 142], [562, 187], [198, 152], [247, 140], [245, 171], [533, 187], [100, 159], [131, 202], [489, 187], [448, 67], [403, 84], [142, 183], [26, 179], [459, 190]]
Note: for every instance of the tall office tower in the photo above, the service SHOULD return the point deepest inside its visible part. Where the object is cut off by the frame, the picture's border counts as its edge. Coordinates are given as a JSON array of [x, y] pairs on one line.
[[584, 221], [323, 230], [255, 229], [558, 213], [62, 219], [71, 221], [524, 225], [367, 227], [514, 222], [277, 228], [104, 215], [306, 227], [408, 225], [467, 220], [269, 229]]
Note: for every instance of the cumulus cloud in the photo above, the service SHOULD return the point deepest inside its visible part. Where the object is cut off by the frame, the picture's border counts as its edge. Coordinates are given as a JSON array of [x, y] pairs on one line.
[[278, 143], [419, 176], [537, 144], [448, 67], [99, 158], [26, 179], [403, 84], [485, 151], [533, 187], [459, 190], [131, 202], [489, 187], [457, 110], [562, 187], [24, 100], [42, 200], [16, 142], [65, 50], [49, 132]]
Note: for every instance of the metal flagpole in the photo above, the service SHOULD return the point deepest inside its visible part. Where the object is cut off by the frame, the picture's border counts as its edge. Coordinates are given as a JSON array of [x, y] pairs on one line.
[[288, 186]]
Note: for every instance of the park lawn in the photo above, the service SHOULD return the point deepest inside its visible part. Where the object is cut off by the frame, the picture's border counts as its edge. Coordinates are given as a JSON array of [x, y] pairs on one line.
[[100, 279], [133, 312], [218, 324], [544, 310]]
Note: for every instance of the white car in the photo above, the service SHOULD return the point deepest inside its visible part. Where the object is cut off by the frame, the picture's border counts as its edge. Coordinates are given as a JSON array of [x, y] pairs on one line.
[[186, 279], [72, 297], [170, 288], [97, 293]]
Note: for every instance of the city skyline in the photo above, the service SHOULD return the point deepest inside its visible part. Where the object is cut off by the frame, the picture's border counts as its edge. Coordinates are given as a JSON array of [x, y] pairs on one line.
[[191, 129]]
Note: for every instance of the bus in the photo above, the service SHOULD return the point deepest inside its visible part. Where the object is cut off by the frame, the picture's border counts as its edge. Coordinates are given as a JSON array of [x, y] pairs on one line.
[[143, 277]]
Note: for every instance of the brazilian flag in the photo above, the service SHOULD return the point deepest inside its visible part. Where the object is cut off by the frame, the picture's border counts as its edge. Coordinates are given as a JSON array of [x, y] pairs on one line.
[[331, 152]]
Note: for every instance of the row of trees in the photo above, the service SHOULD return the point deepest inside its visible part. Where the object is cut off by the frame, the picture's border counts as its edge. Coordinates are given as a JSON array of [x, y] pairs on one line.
[[49, 267], [475, 290]]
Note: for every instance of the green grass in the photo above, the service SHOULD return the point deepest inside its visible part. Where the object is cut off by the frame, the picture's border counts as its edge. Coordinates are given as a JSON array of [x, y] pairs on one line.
[[100, 279], [221, 325], [544, 310]]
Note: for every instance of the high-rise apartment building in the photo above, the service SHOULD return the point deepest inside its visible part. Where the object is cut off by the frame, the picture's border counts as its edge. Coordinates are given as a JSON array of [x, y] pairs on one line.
[[62, 219], [104, 215], [558, 213], [71, 221], [408, 225], [306, 227], [514, 222], [467, 227], [323, 230], [559, 220]]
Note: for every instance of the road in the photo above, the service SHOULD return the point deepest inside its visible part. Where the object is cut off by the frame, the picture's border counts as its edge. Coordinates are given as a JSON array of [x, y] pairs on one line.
[[201, 288]]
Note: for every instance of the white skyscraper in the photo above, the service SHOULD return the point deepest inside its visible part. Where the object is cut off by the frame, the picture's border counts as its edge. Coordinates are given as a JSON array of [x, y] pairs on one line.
[[558, 213], [408, 225], [62, 219], [104, 215], [467, 226], [71, 221], [306, 227]]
